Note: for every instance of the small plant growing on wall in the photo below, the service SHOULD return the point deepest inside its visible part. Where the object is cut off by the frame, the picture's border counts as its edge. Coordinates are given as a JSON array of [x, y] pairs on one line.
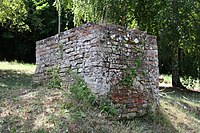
[[84, 100], [107, 107], [81, 92], [54, 80], [60, 45], [130, 74]]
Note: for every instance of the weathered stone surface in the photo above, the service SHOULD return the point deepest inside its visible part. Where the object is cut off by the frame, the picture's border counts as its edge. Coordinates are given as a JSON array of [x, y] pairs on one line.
[[100, 55]]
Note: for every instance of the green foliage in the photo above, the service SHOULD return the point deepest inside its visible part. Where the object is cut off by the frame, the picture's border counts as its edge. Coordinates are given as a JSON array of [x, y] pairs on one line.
[[81, 92], [41, 5], [189, 82], [107, 107], [13, 14], [81, 95], [103, 11], [54, 78], [130, 74], [57, 4], [80, 98], [21, 45], [176, 24]]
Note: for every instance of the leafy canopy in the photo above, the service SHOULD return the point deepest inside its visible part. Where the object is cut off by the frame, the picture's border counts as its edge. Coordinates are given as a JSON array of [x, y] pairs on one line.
[[102, 11], [13, 14]]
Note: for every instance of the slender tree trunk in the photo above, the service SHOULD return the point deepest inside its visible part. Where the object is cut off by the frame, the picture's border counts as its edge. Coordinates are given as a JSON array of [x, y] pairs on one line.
[[175, 48], [59, 23], [58, 8], [124, 13]]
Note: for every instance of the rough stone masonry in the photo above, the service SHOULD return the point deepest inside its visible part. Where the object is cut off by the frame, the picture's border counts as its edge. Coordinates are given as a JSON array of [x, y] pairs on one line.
[[103, 55]]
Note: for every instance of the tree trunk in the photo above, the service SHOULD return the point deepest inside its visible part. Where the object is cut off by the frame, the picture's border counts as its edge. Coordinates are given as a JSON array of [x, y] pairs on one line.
[[59, 24], [175, 48], [124, 13], [175, 66]]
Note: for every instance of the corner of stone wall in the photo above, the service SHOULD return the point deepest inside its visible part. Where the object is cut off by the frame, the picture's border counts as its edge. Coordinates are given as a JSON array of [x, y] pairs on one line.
[[101, 55]]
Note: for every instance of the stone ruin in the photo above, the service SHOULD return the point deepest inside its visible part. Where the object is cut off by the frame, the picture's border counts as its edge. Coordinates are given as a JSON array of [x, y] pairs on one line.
[[103, 55]]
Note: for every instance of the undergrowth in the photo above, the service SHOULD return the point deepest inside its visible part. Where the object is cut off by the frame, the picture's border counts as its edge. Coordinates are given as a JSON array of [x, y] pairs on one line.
[[89, 115], [54, 80], [81, 95]]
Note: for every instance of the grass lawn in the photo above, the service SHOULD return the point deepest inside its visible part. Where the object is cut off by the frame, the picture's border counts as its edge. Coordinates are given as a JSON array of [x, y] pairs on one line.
[[24, 108]]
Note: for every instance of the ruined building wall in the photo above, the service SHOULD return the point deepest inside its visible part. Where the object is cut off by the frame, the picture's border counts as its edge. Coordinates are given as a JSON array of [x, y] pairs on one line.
[[101, 55]]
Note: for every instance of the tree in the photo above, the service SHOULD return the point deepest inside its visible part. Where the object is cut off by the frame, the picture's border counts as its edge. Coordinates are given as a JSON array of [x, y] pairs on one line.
[[176, 23], [175, 45], [57, 4], [103, 11], [41, 19], [13, 14]]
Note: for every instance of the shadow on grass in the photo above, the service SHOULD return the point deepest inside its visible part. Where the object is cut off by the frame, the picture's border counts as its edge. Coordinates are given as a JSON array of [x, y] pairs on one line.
[[11, 79], [35, 111], [24, 109], [27, 109], [181, 95], [158, 123], [187, 100]]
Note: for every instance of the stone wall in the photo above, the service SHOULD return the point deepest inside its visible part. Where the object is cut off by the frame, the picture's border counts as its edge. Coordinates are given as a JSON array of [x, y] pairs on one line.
[[102, 55]]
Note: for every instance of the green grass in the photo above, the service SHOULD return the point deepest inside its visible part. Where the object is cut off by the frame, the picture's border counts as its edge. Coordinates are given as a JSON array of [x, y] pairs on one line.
[[14, 77], [18, 67], [182, 107], [24, 108]]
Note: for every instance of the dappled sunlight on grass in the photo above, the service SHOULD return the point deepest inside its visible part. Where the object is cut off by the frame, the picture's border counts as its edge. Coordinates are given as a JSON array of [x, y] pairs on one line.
[[37, 109], [42, 121], [29, 96], [183, 108], [181, 119], [11, 79], [24, 108]]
